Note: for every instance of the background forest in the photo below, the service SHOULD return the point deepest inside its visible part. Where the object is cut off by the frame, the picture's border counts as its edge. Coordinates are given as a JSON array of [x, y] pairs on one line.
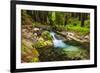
[[54, 36]]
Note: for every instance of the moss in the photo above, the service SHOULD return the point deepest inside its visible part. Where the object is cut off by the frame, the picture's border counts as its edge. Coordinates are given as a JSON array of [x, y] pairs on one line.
[[42, 43], [46, 35], [35, 59], [29, 54]]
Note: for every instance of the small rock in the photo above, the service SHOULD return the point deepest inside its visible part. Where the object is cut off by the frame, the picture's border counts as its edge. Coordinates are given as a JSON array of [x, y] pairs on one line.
[[36, 29], [86, 37], [81, 37], [70, 34], [35, 34], [24, 30]]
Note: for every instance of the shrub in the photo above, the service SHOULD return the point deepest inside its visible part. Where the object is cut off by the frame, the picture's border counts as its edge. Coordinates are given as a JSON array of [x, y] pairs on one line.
[[78, 29]]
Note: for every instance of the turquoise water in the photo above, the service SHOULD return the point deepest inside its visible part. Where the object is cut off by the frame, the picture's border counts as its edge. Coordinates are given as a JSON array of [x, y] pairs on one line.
[[58, 43]]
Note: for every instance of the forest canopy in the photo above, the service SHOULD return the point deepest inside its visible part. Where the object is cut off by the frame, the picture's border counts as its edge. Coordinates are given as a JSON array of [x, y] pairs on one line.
[[70, 20]]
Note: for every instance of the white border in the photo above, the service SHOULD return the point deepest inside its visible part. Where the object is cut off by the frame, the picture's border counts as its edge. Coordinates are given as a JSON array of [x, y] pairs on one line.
[[20, 65]]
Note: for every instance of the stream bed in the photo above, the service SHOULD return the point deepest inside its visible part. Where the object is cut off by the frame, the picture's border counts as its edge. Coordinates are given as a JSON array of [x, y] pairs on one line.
[[61, 51]]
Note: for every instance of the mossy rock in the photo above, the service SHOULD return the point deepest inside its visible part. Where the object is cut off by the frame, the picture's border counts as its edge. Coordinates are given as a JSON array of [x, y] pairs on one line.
[[42, 43], [29, 54], [35, 59], [46, 35]]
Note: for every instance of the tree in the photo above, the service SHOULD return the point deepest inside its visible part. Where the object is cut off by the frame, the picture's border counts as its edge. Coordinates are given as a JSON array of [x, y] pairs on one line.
[[66, 20], [82, 19]]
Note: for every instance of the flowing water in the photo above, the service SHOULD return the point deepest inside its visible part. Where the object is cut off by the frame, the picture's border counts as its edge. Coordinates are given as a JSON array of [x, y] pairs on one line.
[[72, 52], [58, 43]]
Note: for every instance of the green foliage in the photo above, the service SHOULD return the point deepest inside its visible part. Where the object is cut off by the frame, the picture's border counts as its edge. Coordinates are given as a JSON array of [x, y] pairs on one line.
[[42, 43], [46, 35], [73, 21], [39, 43], [35, 59], [53, 17], [59, 28], [87, 23], [59, 18], [79, 30]]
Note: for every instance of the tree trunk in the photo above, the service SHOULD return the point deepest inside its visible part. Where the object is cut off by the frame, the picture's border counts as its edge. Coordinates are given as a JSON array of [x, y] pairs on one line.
[[65, 20], [82, 20]]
